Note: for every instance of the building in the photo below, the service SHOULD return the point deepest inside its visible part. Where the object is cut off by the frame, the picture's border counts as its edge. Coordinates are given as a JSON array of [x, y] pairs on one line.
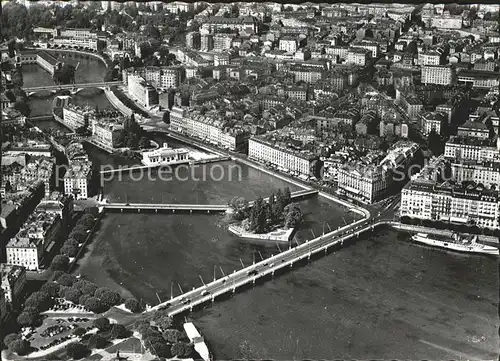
[[438, 74], [106, 132], [484, 173], [433, 121], [143, 92], [461, 148], [13, 282], [264, 149], [37, 235], [222, 41], [206, 42], [193, 40], [369, 183], [75, 116], [86, 43], [307, 74], [358, 56], [47, 61], [78, 178], [428, 199], [474, 129], [411, 104], [288, 44], [429, 58]]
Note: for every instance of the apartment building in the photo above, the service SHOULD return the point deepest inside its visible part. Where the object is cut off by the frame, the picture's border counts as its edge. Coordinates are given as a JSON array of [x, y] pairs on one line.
[[27, 248], [474, 129], [368, 45], [485, 173], [306, 74], [369, 183], [411, 104], [431, 57], [430, 200], [358, 56], [13, 282], [264, 149], [288, 44], [75, 116], [106, 132], [142, 91], [438, 74], [462, 148], [222, 41], [193, 40], [433, 121], [77, 179]]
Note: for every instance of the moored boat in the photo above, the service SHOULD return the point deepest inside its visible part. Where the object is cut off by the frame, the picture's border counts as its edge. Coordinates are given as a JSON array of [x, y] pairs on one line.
[[457, 243]]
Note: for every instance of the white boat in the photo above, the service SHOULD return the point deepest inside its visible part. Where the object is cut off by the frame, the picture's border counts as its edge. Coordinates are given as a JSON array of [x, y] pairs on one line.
[[165, 156], [457, 243], [197, 340]]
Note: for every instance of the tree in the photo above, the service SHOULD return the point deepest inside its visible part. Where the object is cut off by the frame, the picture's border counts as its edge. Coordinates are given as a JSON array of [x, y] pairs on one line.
[[181, 349], [10, 338], [95, 305], [89, 289], [151, 31], [17, 79], [102, 323], [69, 250], [258, 219], [144, 143], [293, 215], [172, 336], [79, 234], [72, 295], [83, 299], [96, 341], [72, 242], [287, 197], [20, 347], [77, 350], [93, 211], [66, 279], [240, 208], [108, 297], [28, 319], [79, 331], [160, 349], [87, 221], [119, 331], [64, 74], [40, 301], [51, 288], [133, 305], [165, 322], [60, 263]]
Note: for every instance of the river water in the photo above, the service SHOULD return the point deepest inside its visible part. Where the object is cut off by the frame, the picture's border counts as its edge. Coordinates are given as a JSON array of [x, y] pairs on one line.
[[380, 297]]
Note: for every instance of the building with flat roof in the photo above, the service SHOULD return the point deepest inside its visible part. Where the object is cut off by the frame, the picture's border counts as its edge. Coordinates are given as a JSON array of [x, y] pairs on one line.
[[142, 91]]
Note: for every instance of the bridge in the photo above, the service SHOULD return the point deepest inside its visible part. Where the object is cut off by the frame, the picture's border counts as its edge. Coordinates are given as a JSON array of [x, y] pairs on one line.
[[266, 268], [40, 118], [73, 88], [206, 208]]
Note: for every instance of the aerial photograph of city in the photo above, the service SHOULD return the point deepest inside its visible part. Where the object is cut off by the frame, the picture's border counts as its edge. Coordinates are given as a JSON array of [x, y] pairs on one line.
[[249, 181]]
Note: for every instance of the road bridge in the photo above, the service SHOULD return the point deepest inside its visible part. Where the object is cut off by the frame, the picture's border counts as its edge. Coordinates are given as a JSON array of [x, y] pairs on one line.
[[73, 88], [266, 268]]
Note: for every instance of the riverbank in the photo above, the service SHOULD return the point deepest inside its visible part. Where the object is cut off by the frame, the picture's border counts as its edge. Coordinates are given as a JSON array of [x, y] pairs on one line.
[[71, 51]]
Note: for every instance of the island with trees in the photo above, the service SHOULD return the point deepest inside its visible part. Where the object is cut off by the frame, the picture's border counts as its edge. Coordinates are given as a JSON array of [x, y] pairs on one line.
[[274, 219]]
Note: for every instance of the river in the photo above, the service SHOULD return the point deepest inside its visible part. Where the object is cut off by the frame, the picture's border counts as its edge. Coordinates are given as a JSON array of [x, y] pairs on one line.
[[380, 297], [90, 70]]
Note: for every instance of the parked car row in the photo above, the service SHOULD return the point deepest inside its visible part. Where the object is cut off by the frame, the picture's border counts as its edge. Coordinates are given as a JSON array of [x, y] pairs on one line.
[[56, 342]]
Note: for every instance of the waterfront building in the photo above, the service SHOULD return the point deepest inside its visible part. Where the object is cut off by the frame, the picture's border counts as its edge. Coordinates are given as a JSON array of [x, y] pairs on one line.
[[77, 179], [442, 201], [142, 91], [268, 150], [370, 182], [75, 116], [165, 155], [438, 74], [47, 61], [58, 204], [86, 43], [13, 282], [106, 132], [38, 234]]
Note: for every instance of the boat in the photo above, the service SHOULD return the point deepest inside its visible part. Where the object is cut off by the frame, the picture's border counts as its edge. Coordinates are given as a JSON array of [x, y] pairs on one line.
[[198, 341], [457, 243]]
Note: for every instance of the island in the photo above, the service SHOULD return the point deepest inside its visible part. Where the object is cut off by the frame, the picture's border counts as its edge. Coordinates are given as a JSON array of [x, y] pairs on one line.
[[272, 219]]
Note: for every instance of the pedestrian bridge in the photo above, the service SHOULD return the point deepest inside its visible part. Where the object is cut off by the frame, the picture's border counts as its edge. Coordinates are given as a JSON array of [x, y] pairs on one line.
[[73, 88], [265, 269], [162, 207]]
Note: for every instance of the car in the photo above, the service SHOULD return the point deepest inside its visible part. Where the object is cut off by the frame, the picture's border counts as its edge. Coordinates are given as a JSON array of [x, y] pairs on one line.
[[271, 265], [186, 302], [252, 272], [167, 305], [205, 292], [224, 280]]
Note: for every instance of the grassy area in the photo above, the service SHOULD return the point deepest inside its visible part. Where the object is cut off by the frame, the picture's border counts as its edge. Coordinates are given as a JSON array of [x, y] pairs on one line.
[[132, 344]]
